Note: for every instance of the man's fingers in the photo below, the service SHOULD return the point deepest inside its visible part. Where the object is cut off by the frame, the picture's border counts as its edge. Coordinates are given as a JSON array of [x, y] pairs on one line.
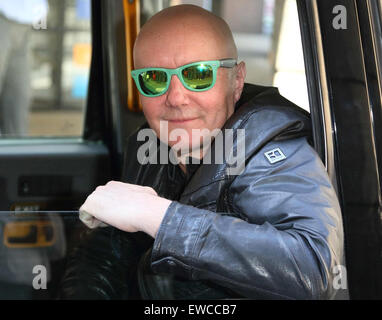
[[88, 210], [90, 221], [117, 204], [132, 187]]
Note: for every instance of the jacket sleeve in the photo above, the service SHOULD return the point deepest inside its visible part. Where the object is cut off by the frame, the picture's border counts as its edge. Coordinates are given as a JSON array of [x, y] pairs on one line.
[[282, 239]]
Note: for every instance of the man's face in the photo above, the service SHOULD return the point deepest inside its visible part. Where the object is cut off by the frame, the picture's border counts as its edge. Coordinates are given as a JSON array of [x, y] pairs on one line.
[[180, 107]]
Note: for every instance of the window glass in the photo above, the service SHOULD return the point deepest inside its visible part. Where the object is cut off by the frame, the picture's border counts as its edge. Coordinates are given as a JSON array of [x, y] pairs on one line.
[[267, 34], [44, 70]]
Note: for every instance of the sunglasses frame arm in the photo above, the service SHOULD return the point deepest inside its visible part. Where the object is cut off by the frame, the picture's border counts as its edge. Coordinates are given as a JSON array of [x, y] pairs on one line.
[[228, 63]]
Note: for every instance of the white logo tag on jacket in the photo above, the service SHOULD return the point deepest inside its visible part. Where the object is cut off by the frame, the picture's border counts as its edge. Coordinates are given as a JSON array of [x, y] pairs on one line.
[[275, 155]]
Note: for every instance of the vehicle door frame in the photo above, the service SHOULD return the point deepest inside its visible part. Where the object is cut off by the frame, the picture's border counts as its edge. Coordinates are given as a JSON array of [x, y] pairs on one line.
[[339, 65]]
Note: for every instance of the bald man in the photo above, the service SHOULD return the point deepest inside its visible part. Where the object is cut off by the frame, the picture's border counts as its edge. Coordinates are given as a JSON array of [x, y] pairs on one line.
[[193, 228]]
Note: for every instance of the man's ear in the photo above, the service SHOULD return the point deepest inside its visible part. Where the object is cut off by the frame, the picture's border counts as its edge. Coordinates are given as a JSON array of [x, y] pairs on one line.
[[240, 75]]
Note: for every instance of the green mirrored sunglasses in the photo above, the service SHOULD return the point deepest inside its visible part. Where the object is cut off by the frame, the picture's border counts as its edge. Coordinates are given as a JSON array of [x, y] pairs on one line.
[[197, 76]]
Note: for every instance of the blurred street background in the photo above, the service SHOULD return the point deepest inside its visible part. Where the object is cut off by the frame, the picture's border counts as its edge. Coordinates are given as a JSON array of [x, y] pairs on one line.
[[267, 36]]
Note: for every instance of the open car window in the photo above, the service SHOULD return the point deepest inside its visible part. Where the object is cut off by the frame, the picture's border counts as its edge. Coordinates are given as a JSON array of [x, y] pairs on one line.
[[44, 67]]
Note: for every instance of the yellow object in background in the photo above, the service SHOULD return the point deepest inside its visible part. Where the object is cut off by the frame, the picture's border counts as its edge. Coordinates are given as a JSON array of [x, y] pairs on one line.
[[29, 234], [132, 25], [82, 54]]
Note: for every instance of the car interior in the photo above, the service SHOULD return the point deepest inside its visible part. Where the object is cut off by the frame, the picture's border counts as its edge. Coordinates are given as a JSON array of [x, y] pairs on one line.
[[84, 105]]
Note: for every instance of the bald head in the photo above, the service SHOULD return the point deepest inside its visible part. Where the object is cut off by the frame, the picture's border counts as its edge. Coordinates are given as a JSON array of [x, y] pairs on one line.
[[183, 28], [175, 37]]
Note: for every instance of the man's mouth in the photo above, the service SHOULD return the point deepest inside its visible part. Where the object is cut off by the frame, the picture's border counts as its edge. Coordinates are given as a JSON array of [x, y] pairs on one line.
[[181, 120]]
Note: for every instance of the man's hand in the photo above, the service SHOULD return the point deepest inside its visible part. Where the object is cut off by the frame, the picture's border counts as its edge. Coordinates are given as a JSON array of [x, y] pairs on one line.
[[128, 207]]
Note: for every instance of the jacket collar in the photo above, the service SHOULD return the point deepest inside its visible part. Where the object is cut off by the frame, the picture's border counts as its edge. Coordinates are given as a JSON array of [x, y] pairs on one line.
[[264, 115]]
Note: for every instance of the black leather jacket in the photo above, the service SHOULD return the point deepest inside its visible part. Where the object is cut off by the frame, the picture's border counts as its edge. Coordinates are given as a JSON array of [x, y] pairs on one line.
[[272, 232]]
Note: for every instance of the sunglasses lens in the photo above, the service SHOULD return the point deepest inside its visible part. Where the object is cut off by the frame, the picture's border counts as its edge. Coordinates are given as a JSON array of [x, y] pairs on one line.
[[153, 82], [198, 77]]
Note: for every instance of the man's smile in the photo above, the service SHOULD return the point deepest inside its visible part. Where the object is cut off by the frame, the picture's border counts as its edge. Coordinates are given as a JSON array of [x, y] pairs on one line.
[[182, 120]]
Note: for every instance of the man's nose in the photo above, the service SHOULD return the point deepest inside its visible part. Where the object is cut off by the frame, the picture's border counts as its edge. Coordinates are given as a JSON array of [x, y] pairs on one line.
[[177, 93]]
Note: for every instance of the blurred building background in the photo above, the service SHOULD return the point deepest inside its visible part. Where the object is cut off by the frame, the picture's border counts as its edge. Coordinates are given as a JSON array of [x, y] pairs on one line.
[[61, 55]]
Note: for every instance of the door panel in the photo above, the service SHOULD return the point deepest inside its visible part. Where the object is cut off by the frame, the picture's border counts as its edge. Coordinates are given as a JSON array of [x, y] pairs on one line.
[[50, 176], [44, 181], [42, 185]]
